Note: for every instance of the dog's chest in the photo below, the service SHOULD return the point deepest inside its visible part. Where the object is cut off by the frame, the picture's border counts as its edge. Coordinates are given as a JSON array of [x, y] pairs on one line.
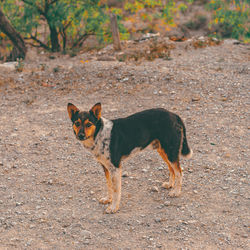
[[100, 147]]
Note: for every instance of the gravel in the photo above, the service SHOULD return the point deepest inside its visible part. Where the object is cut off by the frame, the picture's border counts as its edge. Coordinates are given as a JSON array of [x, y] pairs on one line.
[[50, 185]]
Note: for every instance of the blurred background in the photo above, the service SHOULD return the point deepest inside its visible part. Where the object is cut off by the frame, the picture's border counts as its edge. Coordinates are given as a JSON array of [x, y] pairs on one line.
[[70, 26]]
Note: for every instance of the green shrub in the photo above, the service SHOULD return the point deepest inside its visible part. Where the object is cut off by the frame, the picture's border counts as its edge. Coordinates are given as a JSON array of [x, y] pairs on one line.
[[230, 18], [199, 22]]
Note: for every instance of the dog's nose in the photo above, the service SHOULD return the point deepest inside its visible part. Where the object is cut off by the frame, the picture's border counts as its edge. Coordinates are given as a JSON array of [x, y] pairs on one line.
[[81, 137]]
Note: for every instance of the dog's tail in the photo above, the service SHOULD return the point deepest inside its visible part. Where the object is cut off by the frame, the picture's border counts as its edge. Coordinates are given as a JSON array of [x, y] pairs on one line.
[[186, 151]]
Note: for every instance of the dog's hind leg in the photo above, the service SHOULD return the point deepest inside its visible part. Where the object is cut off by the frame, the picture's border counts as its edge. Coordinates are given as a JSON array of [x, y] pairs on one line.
[[176, 191], [107, 199], [116, 174], [171, 170]]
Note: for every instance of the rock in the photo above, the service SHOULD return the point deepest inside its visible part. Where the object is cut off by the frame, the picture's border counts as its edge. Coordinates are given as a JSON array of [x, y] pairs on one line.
[[86, 234], [167, 203], [192, 221], [124, 79], [125, 174], [106, 58], [195, 98], [201, 38], [155, 189], [158, 220], [231, 41], [9, 65]]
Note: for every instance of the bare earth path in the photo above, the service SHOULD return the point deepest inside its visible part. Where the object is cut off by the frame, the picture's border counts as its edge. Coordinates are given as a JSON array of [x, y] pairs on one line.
[[50, 186]]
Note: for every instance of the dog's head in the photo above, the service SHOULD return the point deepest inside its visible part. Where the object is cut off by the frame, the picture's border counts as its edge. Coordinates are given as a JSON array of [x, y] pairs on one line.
[[84, 123]]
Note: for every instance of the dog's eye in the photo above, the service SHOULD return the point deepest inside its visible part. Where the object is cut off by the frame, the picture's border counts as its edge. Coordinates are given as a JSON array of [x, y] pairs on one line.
[[77, 124], [88, 125]]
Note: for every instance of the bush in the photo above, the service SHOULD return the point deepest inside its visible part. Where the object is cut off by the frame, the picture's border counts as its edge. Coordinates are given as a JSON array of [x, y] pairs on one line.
[[230, 19], [197, 23]]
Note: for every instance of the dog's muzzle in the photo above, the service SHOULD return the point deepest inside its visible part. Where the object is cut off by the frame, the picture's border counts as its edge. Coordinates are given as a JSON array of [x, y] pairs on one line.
[[81, 137]]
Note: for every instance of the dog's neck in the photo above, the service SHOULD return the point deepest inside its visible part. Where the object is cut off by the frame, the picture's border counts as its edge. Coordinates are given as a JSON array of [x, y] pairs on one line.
[[99, 127], [89, 143], [99, 144]]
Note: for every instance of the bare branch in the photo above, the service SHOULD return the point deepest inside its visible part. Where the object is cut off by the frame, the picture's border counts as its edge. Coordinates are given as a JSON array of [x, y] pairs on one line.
[[43, 45], [81, 39]]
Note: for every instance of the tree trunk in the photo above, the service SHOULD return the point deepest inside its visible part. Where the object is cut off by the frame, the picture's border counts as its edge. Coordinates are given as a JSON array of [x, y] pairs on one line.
[[19, 50], [55, 46], [115, 32]]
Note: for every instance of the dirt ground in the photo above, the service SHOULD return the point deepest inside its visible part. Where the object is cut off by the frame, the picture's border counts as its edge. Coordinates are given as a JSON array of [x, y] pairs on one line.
[[50, 185]]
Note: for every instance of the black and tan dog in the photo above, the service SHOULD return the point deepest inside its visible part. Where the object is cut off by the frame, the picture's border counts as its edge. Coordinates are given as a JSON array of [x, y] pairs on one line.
[[111, 141]]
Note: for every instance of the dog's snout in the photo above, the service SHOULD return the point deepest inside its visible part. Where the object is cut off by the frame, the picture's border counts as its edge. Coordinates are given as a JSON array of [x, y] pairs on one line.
[[81, 136]]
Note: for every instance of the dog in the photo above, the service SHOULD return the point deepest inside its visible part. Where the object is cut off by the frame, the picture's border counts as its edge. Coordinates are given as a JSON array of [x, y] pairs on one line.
[[112, 141]]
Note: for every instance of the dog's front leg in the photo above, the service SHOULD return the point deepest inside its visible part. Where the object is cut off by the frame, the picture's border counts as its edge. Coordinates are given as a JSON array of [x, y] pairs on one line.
[[116, 174], [107, 199]]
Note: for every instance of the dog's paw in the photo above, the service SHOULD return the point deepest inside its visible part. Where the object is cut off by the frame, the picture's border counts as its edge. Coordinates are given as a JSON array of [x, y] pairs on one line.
[[111, 209], [105, 200], [175, 193], [167, 185]]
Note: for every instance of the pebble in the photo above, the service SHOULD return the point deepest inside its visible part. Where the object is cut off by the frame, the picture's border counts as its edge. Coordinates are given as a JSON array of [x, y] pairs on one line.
[[124, 79], [167, 203], [125, 174], [155, 189], [195, 98], [86, 234], [192, 221], [158, 220]]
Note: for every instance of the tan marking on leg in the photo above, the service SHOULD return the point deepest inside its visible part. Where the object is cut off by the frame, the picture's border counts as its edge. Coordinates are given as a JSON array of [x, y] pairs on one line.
[[171, 170], [178, 177], [107, 199], [116, 181]]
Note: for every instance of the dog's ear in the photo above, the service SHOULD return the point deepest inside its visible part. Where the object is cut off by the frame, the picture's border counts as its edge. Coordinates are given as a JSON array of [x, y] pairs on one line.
[[96, 110], [72, 110]]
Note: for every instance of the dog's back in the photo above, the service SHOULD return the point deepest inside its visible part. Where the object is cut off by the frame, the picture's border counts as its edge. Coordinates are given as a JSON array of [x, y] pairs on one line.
[[142, 128]]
